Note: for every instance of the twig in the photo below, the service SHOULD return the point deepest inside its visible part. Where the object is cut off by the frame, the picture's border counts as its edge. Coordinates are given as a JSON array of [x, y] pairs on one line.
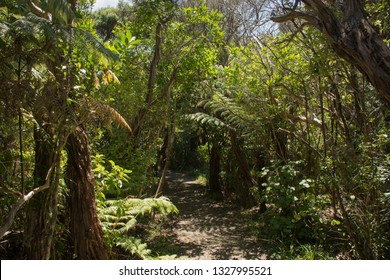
[[301, 140]]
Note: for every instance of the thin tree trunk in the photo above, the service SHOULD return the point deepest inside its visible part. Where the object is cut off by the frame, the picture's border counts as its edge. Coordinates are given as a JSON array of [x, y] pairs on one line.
[[259, 165], [140, 117], [170, 132], [214, 187], [168, 158], [248, 181], [280, 140], [85, 226], [142, 113]]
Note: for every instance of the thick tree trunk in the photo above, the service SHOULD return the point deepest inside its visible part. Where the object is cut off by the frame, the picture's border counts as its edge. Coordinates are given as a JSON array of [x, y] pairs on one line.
[[85, 226], [362, 46], [36, 236], [351, 36]]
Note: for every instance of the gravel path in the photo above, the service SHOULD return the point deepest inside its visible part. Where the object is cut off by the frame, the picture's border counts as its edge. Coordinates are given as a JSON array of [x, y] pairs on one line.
[[206, 229]]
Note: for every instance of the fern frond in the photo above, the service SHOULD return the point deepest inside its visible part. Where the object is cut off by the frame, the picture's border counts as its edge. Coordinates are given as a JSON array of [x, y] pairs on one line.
[[50, 30], [160, 205], [202, 103], [124, 212], [223, 111], [134, 246], [129, 225], [105, 113], [120, 216], [206, 119], [4, 27], [90, 41]]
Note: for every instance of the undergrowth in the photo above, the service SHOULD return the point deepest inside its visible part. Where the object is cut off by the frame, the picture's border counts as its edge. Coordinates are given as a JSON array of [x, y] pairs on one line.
[[126, 223]]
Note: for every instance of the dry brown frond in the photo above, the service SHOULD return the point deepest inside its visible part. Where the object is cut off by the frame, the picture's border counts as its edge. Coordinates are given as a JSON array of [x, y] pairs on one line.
[[105, 113]]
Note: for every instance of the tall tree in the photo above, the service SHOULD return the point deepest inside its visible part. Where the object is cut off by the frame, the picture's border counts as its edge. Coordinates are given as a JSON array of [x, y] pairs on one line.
[[87, 233]]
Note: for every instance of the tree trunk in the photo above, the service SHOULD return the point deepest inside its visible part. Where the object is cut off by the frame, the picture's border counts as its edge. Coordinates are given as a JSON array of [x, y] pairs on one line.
[[214, 187], [280, 142], [36, 236], [168, 157], [140, 117], [259, 165], [247, 179], [85, 226]]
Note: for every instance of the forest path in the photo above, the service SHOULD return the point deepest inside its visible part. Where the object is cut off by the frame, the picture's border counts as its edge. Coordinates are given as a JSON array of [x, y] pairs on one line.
[[206, 229]]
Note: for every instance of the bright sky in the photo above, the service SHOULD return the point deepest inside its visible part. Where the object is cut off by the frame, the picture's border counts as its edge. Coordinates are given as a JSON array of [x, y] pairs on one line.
[[104, 3]]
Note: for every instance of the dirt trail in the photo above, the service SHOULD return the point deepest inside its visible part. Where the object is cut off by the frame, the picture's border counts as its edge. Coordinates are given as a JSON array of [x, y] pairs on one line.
[[206, 229]]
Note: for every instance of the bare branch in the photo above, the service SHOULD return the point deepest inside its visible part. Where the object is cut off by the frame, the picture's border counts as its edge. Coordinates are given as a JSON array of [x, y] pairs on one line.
[[38, 11], [298, 30], [300, 139], [309, 18], [6, 190], [22, 200], [167, 88], [312, 120]]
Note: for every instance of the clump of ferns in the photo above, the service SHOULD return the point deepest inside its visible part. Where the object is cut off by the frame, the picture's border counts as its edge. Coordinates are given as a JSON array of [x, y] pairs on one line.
[[122, 219]]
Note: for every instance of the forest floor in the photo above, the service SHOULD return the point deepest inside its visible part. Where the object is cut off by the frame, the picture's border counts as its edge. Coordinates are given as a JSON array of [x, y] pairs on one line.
[[206, 229]]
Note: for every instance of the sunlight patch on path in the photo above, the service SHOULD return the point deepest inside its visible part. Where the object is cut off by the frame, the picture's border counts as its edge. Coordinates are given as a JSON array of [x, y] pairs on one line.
[[206, 229]]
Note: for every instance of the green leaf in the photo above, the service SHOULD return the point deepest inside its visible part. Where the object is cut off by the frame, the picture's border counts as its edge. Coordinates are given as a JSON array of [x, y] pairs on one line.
[[335, 222]]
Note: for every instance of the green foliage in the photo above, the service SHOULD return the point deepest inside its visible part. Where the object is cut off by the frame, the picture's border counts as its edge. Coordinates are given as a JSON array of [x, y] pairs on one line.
[[121, 218], [205, 119], [380, 17], [109, 181], [124, 42], [292, 199], [362, 187], [284, 188], [300, 252], [105, 21]]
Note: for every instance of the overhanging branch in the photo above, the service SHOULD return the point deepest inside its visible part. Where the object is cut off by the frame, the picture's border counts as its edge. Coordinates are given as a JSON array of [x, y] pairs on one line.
[[309, 18]]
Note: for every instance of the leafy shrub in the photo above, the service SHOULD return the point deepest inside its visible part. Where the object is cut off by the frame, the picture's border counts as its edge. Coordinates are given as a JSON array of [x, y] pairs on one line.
[[294, 212], [110, 180]]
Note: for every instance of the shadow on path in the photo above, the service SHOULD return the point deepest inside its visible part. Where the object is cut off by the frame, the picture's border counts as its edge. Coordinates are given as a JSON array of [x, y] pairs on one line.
[[204, 228]]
